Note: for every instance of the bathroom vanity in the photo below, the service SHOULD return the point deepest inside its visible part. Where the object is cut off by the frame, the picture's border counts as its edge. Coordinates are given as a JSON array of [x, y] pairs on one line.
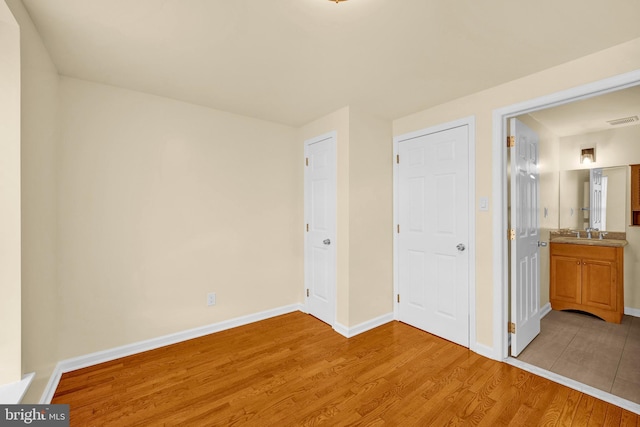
[[587, 275]]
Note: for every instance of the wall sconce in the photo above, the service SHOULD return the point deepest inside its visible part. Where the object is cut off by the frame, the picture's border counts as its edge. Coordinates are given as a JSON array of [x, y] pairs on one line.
[[588, 155]]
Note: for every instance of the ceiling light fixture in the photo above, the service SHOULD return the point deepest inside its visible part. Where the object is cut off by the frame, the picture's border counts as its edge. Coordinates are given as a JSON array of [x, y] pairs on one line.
[[337, 1]]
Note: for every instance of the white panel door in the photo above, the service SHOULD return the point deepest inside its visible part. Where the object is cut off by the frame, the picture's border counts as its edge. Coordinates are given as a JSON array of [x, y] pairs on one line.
[[525, 250], [433, 212], [320, 227]]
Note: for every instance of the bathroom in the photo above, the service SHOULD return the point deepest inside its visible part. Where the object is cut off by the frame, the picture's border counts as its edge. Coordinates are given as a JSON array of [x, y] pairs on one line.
[[607, 128]]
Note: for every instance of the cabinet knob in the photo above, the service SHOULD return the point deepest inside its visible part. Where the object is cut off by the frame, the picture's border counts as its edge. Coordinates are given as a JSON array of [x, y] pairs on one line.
[[578, 262]]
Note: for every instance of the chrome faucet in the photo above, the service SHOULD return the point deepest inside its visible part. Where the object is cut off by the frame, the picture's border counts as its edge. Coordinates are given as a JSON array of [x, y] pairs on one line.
[[589, 230], [602, 234]]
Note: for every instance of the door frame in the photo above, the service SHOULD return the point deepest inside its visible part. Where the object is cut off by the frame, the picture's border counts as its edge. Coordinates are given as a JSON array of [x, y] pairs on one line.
[[333, 135], [469, 121], [500, 195]]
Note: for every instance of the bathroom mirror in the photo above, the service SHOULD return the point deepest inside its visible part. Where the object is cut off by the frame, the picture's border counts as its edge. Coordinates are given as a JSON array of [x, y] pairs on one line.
[[577, 209]]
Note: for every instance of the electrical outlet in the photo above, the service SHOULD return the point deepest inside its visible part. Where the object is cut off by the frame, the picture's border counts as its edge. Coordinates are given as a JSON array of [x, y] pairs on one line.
[[211, 298]]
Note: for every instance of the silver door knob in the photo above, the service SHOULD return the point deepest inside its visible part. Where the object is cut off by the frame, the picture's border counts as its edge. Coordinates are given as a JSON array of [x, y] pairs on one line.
[[461, 247], [326, 241]]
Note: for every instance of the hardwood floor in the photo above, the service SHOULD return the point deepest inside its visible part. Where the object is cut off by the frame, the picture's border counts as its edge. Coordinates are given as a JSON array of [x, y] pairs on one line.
[[294, 370]]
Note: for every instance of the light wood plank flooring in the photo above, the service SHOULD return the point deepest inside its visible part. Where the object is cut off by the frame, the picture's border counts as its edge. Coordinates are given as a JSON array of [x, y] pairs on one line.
[[294, 370], [587, 349]]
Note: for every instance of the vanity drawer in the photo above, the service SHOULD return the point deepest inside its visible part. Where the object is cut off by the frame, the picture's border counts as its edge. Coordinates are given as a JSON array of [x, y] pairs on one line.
[[583, 251]]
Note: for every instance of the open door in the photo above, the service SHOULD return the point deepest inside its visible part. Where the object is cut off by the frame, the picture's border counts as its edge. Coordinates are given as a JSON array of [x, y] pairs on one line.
[[524, 237]]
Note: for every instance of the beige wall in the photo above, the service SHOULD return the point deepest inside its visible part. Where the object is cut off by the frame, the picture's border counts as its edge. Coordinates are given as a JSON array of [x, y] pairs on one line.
[[10, 246], [161, 202], [365, 214], [39, 190], [614, 147], [617, 60], [574, 187], [370, 217], [618, 198]]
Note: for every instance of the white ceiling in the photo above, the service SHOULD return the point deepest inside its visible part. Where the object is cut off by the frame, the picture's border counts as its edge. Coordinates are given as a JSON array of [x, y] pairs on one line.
[[292, 61], [592, 114]]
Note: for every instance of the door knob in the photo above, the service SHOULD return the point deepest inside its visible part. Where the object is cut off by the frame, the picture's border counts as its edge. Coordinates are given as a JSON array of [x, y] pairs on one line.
[[326, 241], [461, 247]]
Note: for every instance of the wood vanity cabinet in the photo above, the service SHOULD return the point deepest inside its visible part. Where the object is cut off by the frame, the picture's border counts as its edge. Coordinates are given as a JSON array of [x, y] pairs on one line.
[[588, 278]]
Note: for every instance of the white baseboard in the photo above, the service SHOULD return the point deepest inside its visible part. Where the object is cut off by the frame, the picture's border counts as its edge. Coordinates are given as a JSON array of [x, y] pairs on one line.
[[362, 327], [632, 311], [546, 309], [75, 363], [484, 350], [11, 394]]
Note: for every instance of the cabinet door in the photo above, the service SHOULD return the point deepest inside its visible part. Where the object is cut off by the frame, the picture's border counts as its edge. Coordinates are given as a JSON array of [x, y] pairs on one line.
[[599, 284], [635, 187], [566, 279]]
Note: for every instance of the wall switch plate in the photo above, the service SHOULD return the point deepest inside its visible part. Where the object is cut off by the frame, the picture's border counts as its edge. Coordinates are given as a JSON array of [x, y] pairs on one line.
[[484, 204], [211, 298]]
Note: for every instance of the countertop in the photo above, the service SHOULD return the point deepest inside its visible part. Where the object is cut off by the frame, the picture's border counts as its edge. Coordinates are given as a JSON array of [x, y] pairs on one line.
[[616, 243]]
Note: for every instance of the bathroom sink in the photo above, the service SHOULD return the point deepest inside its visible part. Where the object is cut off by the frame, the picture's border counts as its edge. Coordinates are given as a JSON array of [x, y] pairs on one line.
[[590, 242]]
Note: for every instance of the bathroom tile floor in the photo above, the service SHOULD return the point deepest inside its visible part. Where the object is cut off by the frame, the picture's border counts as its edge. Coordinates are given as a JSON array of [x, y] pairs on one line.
[[587, 349]]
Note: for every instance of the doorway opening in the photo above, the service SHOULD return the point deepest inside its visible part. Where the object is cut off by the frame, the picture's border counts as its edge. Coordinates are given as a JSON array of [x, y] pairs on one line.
[[501, 244]]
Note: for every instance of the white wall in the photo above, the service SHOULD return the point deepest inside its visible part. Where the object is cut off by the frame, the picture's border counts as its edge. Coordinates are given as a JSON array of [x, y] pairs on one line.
[[10, 245], [161, 202], [39, 193]]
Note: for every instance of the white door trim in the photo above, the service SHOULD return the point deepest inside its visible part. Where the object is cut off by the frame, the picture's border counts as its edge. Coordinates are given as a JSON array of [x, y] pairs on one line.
[[329, 135], [499, 190], [471, 123]]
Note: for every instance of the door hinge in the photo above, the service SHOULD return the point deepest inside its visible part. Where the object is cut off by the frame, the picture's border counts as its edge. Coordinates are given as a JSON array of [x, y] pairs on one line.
[[511, 141], [307, 293], [511, 327], [307, 228], [398, 228], [398, 158], [512, 234], [306, 161], [398, 298]]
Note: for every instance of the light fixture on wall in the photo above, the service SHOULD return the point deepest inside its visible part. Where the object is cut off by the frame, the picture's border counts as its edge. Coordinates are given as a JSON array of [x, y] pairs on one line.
[[587, 155]]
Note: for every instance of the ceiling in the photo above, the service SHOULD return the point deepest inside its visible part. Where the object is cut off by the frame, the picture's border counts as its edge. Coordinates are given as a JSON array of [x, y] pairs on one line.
[[292, 61], [592, 114]]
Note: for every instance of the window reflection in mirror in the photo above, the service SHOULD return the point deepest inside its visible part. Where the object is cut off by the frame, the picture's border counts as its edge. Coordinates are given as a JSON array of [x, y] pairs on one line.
[[575, 199]]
